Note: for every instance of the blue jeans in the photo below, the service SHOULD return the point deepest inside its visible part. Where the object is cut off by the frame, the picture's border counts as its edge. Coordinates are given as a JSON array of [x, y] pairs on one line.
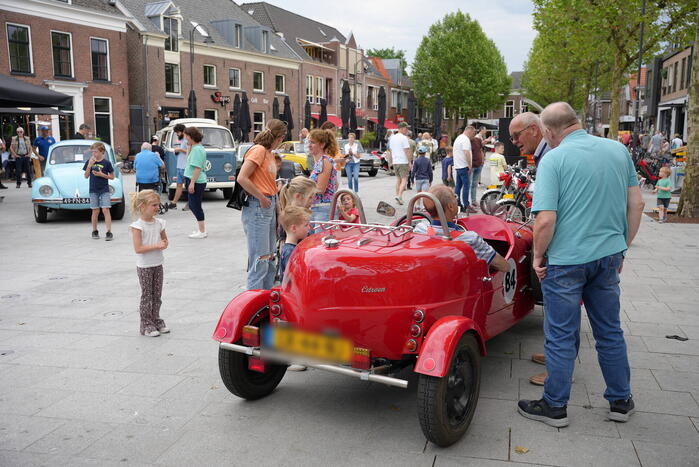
[[194, 199], [475, 178], [597, 284], [462, 186], [352, 170], [260, 226], [320, 212]]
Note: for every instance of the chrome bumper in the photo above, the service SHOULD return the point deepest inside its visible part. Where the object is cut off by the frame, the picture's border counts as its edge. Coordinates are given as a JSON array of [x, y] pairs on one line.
[[359, 374]]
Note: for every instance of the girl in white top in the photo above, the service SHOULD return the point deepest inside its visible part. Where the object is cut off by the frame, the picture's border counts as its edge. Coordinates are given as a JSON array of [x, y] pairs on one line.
[[149, 241], [351, 151]]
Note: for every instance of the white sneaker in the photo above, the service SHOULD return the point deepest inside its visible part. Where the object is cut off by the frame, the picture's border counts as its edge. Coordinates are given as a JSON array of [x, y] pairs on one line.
[[297, 368], [164, 330], [198, 235], [152, 334], [399, 200]]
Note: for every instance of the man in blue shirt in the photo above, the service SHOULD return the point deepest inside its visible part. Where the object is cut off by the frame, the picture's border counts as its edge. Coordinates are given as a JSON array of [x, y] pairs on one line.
[[44, 142], [589, 209], [147, 165]]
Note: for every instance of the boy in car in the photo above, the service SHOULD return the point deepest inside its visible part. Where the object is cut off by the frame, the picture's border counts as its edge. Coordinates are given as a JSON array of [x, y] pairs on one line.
[[99, 170], [296, 223], [449, 203]]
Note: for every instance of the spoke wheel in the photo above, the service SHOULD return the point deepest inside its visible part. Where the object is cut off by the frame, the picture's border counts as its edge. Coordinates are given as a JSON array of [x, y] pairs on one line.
[[446, 405], [489, 201], [510, 210]]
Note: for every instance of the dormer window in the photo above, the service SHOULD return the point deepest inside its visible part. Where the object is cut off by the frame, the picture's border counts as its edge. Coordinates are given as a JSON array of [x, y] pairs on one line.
[[171, 29], [265, 41], [238, 35]]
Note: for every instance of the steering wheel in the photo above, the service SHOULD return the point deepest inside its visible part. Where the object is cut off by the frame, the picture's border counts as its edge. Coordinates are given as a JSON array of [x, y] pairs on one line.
[[402, 219]]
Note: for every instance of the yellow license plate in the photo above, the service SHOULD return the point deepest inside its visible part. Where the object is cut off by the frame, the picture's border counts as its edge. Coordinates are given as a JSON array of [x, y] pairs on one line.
[[490, 187], [307, 344], [508, 196]]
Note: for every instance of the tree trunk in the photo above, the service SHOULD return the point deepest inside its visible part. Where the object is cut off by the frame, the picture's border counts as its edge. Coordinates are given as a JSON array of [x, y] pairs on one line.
[[616, 84], [451, 127], [689, 199]]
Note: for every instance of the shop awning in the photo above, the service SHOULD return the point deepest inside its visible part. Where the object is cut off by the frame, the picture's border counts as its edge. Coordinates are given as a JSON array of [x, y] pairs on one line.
[[31, 110], [387, 124], [18, 93], [337, 121]]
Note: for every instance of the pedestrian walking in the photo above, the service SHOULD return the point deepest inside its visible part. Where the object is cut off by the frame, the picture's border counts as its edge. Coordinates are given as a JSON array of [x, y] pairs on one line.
[[147, 165], [353, 157], [448, 167], [5, 162], [181, 149], [321, 145], [41, 144], [83, 132], [422, 170], [497, 164], [579, 246], [477, 160], [195, 179], [21, 151], [399, 146], [655, 142], [677, 142], [413, 155], [663, 188], [149, 241], [462, 164], [99, 170], [156, 147], [257, 177]]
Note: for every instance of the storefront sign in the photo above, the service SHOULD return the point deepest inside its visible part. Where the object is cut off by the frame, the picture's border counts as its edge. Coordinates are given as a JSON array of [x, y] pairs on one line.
[[219, 99]]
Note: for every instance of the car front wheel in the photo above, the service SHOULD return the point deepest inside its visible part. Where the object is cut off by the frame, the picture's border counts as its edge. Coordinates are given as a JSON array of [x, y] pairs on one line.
[[41, 213], [243, 382], [118, 210], [446, 405]]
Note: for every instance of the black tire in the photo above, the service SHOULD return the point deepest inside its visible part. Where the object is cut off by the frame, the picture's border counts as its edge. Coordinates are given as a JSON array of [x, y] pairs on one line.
[[245, 383], [344, 172], [170, 194], [118, 209], [509, 209], [488, 201], [373, 172], [446, 405], [227, 193], [41, 213]]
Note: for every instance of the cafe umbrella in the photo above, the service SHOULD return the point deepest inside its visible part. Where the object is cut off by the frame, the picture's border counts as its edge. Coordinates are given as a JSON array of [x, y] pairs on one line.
[[437, 132], [345, 108], [275, 108], [288, 118], [235, 123], [411, 110], [381, 118], [307, 115], [244, 119], [323, 112], [353, 117]]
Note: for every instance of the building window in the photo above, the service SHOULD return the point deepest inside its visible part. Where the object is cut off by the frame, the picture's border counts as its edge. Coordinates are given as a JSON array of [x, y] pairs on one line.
[[265, 41], [509, 109], [279, 84], [309, 88], [62, 62], [234, 78], [682, 79], [484, 115], [238, 35], [172, 78], [674, 77], [394, 98], [258, 81], [210, 114], [258, 122], [523, 106], [171, 29], [210, 75], [19, 44], [319, 89], [103, 119], [100, 59], [358, 94], [328, 90]]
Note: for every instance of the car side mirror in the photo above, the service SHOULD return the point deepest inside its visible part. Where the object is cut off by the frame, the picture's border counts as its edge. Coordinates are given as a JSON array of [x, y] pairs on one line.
[[385, 209]]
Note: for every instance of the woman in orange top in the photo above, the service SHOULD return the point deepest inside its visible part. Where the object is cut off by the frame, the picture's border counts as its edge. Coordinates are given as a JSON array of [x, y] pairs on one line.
[[257, 176]]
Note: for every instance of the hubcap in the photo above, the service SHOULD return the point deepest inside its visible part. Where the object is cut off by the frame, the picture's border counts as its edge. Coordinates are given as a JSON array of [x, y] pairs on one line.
[[460, 394]]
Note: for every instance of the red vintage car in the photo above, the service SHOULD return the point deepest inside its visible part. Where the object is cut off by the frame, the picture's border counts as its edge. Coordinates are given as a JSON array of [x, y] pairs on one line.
[[368, 300]]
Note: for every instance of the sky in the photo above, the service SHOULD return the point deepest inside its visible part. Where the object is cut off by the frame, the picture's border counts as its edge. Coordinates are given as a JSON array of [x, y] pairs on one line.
[[402, 24]]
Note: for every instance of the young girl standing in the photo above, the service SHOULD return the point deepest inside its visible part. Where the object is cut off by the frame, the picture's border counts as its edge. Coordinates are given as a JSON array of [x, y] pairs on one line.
[[149, 241]]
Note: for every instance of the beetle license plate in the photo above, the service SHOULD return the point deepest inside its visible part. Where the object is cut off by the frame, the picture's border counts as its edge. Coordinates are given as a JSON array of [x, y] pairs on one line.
[[508, 196], [211, 179], [307, 344], [76, 200]]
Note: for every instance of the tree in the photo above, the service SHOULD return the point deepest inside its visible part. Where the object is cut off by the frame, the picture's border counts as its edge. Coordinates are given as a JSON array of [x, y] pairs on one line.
[[390, 53], [689, 199], [457, 60]]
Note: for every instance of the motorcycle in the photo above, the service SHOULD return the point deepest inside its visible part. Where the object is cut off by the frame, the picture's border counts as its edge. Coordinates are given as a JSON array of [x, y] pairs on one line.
[[493, 194], [517, 206]]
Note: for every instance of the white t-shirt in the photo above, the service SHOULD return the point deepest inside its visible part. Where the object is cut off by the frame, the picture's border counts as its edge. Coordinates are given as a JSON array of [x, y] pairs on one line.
[[676, 143], [398, 144], [497, 164], [182, 156], [355, 151], [150, 235], [462, 158]]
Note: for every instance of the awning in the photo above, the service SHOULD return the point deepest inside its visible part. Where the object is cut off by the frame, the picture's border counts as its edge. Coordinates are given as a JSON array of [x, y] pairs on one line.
[[31, 110], [337, 121], [18, 93], [387, 124]]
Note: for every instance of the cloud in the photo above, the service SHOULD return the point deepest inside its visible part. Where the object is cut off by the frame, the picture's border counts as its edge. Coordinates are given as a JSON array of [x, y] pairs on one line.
[[402, 24]]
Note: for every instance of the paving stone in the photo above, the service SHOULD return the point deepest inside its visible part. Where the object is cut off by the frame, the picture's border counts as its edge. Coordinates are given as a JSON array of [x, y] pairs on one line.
[[88, 380], [578, 392], [659, 428], [70, 438], [448, 461], [663, 454], [684, 363], [653, 329], [132, 442], [661, 402], [151, 385], [673, 346], [490, 444], [25, 376], [690, 331], [670, 380], [589, 421], [109, 408], [29, 401], [19, 431], [26, 459], [648, 361]]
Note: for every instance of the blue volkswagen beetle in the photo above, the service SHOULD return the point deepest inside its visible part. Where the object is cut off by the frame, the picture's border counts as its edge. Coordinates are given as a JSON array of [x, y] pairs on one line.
[[64, 185]]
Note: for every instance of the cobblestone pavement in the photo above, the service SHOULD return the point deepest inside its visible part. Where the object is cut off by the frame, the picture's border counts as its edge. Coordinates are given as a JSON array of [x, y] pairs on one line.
[[79, 386]]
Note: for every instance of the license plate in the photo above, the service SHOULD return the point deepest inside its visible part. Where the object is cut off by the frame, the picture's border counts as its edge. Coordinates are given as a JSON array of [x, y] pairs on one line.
[[508, 196], [76, 200], [307, 344], [491, 187], [210, 179]]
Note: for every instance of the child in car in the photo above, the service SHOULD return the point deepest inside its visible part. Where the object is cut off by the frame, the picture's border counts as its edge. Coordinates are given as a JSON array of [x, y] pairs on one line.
[[348, 211], [448, 200]]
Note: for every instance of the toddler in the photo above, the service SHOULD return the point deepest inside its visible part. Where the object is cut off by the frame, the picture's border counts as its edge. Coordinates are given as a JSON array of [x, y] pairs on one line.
[[663, 188], [497, 164], [149, 241], [348, 211]]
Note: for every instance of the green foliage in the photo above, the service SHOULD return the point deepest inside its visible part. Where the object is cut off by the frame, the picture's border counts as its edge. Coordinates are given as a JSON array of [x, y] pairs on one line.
[[457, 60], [390, 53], [368, 139]]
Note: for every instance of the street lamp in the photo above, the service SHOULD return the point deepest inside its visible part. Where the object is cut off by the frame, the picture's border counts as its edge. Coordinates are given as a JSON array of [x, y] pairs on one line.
[[192, 101]]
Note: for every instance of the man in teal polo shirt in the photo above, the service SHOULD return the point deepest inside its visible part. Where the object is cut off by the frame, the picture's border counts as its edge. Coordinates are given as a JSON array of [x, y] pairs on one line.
[[589, 208]]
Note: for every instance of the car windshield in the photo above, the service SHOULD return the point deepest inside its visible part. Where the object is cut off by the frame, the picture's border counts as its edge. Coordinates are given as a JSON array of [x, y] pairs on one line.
[[78, 153], [299, 147], [216, 138]]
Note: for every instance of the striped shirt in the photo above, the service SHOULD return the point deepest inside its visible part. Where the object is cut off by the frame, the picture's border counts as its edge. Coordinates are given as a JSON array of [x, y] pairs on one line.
[[480, 248]]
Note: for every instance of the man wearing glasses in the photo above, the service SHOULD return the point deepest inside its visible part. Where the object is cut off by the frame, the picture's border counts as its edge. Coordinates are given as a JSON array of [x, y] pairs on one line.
[[527, 135]]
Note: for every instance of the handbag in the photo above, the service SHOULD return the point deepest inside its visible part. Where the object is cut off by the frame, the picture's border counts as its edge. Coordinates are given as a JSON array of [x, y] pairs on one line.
[[239, 198]]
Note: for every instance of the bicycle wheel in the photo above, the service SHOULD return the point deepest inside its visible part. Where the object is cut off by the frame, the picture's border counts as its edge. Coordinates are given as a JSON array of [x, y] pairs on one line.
[[511, 211]]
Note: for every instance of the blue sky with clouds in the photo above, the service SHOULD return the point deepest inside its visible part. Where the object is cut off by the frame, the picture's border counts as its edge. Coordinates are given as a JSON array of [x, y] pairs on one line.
[[403, 23]]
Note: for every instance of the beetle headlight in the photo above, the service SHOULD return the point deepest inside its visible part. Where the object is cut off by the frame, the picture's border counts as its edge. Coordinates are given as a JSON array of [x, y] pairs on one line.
[[111, 190], [45, 190], [228, 167], [376, 163]]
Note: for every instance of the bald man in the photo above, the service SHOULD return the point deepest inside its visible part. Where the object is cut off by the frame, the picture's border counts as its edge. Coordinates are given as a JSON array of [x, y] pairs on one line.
[[589, 208], [527, 134]]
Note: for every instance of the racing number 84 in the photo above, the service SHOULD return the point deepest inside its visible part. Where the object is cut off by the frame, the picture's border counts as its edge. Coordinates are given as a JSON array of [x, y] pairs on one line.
[[509, 282]]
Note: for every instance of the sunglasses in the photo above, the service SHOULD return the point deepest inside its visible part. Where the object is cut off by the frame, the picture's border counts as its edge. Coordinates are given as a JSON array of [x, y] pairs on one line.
[[515, 134]]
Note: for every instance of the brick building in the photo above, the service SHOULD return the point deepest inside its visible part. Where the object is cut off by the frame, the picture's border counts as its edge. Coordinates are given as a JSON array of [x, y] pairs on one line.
[[233, 54], [675, 79], [76, 47]]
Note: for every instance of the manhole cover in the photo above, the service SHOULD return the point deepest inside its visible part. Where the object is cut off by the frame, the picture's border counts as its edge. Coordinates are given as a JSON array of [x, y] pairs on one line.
[[81, 300], [111, 314], [12, 295], [6, 352]]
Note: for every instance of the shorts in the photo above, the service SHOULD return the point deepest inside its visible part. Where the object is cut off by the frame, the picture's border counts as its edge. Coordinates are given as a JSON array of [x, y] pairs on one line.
[[422, 185], [665, 202], [402, 170], [180, 176], [100, 200]]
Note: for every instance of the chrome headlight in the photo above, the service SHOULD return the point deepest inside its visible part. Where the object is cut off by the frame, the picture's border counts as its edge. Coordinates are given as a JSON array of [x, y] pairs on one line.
[[45, 190], [228, 167], [298, 170], [111, 190], [376, 163]]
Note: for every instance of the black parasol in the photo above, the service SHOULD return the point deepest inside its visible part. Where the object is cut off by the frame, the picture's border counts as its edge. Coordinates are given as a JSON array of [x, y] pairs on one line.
[[307, 115], [323, 112], [411, 110], [235, 120], [244, 120], [353, 118], [345, 108], [437, 132], [288, 118], [381, 118], [275, 108]]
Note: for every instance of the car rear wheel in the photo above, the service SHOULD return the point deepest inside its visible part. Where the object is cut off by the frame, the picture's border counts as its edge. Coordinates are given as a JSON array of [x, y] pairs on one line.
[[373, 172], [244, 382], [41, 213], [227, 193], [446, 405], [118, 210]]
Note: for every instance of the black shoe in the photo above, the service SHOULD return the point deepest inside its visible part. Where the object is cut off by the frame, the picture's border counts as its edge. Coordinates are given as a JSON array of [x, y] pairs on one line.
[[18, 185], [95, 234], [3, 187], [542, 412], [619, 411], [171, 206], [29, 185], [109, 237]]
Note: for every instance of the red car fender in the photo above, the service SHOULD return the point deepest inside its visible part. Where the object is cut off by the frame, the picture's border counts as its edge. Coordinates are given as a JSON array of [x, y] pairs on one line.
[[440, 343], [238, 313]]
